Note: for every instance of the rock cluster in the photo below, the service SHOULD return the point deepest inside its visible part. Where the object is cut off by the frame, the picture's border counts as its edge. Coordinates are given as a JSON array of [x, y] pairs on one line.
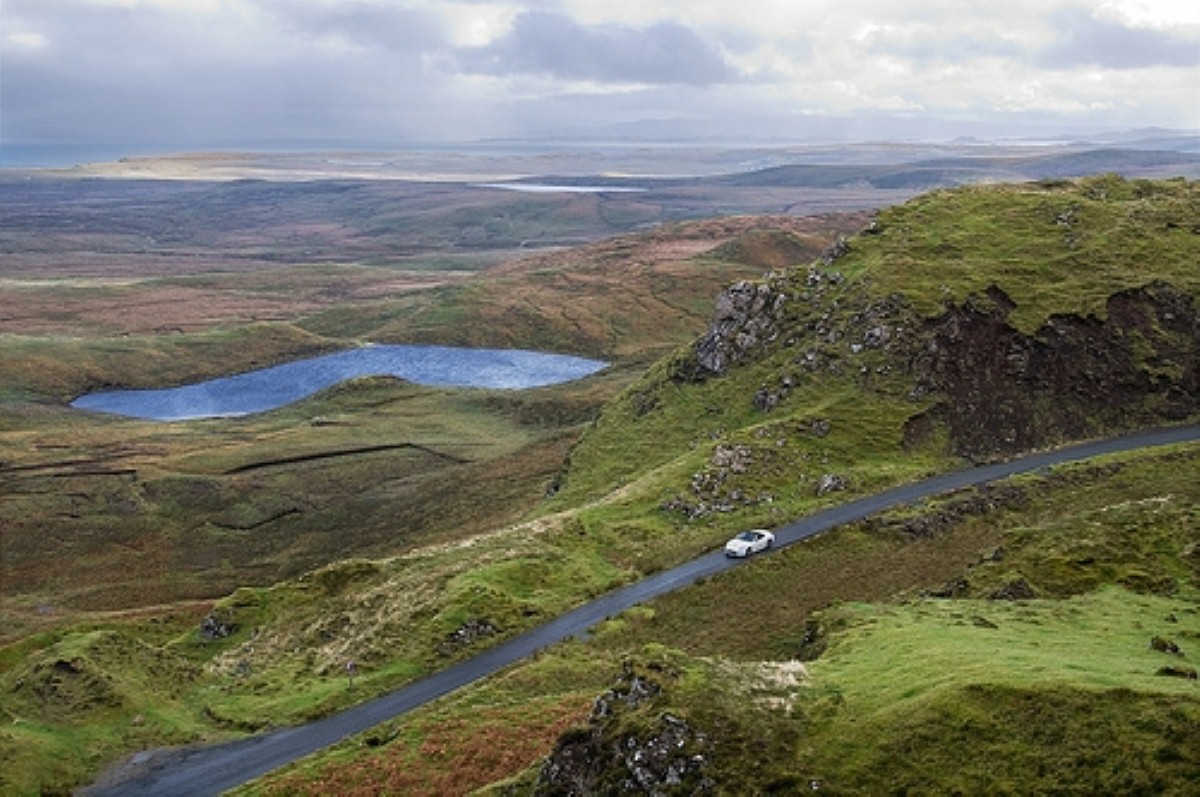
[[835, 326], [746, 318], [615, 756], [711, 486], [466, 635], [212, 627], [1016, 590], [836, 251]]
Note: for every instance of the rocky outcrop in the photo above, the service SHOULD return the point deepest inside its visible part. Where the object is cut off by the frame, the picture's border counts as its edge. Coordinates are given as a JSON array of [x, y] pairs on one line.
[[830, 321], [746, 318], [214, 627], [620, 753], [990, 387], [467, 635]]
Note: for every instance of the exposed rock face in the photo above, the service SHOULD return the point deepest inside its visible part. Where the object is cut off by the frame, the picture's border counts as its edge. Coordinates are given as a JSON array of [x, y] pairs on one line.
[[1074, 377], [613, 756], [746, 319], [1016, 590], [996, 389], [836, 251], [831, 483], [831, 323]]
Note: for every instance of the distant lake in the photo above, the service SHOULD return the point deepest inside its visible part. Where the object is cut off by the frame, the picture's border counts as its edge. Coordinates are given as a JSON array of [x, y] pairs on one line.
[[547, 188], [269, 388]]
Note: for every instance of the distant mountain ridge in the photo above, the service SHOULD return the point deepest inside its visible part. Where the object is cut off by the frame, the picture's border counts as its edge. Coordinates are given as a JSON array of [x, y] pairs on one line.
[[989, 165], [951, 171]]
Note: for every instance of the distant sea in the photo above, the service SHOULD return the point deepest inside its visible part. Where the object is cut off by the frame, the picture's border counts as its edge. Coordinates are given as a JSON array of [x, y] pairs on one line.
[[61, 154], [65, 154]]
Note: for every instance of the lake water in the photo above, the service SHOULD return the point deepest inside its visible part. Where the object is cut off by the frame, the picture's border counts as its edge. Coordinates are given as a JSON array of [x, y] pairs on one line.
[[269, 388], [545, 188]]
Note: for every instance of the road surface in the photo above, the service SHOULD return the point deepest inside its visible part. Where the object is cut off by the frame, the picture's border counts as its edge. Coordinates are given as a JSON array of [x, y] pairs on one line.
[[202, 771]]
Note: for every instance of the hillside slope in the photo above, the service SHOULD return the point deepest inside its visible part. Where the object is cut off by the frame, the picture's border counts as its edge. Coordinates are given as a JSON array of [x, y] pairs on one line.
[[1034, 636], [966, 324], [163, 513], [974, 322]]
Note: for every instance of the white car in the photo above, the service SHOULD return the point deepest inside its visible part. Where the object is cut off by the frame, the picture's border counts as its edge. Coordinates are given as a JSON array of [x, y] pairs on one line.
[[749, 542]]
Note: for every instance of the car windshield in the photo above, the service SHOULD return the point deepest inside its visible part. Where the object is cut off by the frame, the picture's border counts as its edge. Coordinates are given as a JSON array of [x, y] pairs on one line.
[[748, 536]]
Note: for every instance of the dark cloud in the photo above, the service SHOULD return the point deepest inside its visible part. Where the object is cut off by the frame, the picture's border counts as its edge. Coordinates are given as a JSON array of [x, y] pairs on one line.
[[552, 45], [1085, 40], [146, 73]]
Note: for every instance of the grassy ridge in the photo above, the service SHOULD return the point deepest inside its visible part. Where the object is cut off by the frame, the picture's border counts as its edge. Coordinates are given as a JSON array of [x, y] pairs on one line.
[[1053, 247], [1006, 698]]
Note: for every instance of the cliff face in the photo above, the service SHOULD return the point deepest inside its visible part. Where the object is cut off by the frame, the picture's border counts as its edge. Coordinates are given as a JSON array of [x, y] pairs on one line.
[[1001, 391], [994, 389]]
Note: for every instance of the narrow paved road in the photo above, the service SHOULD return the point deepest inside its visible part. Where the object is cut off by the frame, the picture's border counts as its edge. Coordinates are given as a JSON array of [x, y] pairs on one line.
[[211, 770]]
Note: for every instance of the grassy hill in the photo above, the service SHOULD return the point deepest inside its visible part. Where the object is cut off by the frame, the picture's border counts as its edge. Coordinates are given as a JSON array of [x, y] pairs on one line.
[[996, 640], [999, 640]]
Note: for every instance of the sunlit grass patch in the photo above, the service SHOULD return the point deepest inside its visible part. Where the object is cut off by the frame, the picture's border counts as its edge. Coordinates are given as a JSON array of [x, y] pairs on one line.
[[1088, 240], [891, 654], [1003, 695]]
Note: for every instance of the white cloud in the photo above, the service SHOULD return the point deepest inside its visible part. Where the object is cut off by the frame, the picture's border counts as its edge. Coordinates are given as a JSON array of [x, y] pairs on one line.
[[24, 41], [477, 24], [1154, 13], [217, 70]]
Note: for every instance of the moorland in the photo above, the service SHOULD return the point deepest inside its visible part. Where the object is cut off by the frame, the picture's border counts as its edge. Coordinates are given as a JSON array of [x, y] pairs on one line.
[[168, 583]]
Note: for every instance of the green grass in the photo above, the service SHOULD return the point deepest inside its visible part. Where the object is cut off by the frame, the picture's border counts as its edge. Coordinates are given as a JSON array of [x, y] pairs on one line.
[[911, 692], [495, 556], [72, 705], [889, 655], [1005, 697], [1053, 248]]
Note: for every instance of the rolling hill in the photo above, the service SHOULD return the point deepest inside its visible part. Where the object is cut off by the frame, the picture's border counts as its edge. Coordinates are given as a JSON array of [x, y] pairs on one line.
[[1038, 635], [1000, 640]]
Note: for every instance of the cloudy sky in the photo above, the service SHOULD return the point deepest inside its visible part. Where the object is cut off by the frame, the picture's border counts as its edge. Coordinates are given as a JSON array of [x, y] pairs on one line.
[[218, 72]]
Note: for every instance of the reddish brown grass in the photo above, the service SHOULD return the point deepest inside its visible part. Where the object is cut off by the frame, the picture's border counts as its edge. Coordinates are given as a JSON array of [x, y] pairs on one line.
[[445, 756]]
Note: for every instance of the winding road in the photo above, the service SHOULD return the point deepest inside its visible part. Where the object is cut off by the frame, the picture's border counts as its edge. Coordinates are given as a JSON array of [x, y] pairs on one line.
[[212, 770]]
